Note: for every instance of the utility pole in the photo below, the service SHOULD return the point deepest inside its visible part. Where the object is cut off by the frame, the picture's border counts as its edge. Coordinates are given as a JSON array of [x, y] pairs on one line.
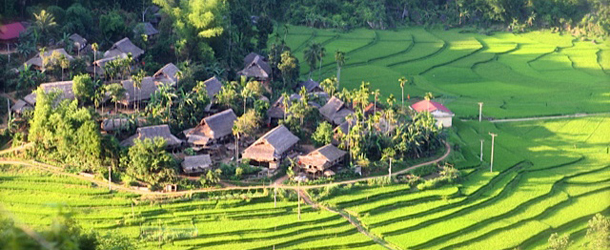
[[493, 137], [390, 171], [481, 155], [109, 178], [480, 111], [299, 197]]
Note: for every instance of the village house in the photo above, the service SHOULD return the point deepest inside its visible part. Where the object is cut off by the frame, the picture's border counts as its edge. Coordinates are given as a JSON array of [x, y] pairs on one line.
[[196, 164], [256, 67], [169, 73], [48, 57], [9, 34], [335, 111], [134, 94], [320, 161], [120, 49], [441, 113], [145, 29], [211, 130], [311, 86], [152, 132], [276, 110], [271, 149], [29, 101], [212, 87], [79, 42]]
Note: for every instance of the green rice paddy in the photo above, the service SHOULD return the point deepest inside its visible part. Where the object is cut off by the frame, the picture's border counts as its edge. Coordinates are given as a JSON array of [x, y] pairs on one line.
[[515, 75]]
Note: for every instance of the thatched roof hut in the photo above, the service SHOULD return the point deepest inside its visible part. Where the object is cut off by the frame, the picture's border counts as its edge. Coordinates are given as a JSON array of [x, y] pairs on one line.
[[149, 86], [213, 128], [212, 85], [79, 42], [335, 111], [145, 29], [310, 85], [196, 164], [321, 159], [152, 132], [29, 100], [257, 68], [37, 60], [114, 124], [273, 146], [20, 106], [168, 72], [123, 47]]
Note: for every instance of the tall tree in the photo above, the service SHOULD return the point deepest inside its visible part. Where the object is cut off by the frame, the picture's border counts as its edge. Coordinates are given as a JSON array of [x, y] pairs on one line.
[[323, 134], [44, 23], [402, 82], [388, 155], [245, 125], [117, 93], [312, 55], [289, 67], [330, 85], [82, 87], [137, 83], [340, 59], [148, 161], [95, 48]]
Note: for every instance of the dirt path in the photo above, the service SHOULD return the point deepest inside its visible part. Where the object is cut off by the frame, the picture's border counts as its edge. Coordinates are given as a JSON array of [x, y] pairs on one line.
[[537, 118], [353, 220], [203, 190]]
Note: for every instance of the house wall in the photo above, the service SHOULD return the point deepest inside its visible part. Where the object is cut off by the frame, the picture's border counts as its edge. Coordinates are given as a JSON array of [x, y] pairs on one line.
[[446, 122]]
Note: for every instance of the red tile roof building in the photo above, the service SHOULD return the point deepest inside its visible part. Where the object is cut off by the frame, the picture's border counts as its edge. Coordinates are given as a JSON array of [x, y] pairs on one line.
[[441, 113]]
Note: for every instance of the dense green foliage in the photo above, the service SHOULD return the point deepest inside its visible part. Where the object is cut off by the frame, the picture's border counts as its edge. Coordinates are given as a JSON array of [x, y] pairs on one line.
[[148, 161], [64, 132]]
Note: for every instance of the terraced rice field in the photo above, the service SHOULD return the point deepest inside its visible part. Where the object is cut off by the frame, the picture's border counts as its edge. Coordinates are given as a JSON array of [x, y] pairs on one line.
[[229, 223], [550, 176], [515, 75]]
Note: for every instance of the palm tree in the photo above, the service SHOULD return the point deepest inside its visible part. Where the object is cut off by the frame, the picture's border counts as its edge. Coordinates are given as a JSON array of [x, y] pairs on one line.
[[137, 83], [391, 100], [98, 98], [178, 76], [117, 93], [64, 63], [376, 94], [311, 55], [94, 47], [41, 52], [44, 22], [402, 82], [388, 154], [286, 29], [429, 96], [321, 54], [340, 59], [167, 95], [285, 102]]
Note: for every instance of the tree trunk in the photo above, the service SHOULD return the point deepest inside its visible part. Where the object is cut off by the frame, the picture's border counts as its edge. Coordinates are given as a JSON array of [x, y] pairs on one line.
[[236, 147], [390, 171], [403, 97], [338, 76]]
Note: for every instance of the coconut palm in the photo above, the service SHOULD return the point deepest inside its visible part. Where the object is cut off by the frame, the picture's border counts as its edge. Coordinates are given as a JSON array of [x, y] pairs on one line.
[[340, 59], [94, 47], [44, 22], [137, 83], [429, 96], [99, 97], [64, 63], [117, 93], [321, 54], [402, 82], [388, 155], [167, 95], [311, 56]]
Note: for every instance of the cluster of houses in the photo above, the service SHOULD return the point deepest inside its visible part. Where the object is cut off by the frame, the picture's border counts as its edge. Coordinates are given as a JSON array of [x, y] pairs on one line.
[[213, 134]]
